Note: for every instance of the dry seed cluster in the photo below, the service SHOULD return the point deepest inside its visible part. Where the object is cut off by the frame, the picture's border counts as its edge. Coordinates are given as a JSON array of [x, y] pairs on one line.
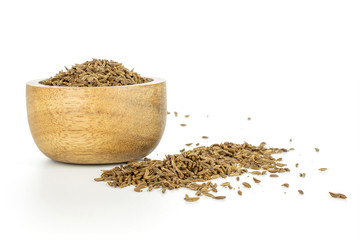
[[189, 168], [96, 73]]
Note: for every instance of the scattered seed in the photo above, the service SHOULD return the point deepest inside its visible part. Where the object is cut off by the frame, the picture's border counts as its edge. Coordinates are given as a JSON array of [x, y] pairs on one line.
[[188, 144], [176, 114], [208, 194], [285, 185], [183, 124], [302, 175], [246, 184], [219, 197], [317, 150], [239, 192], [226, 184], [338, 195], [237, 179], [205, 137], [322, 169], [274, 175], [187, 116], [190, 199], [249, 118], [296, 165], [290, 139], [256, 180], [291, 149], [168, 112], [197, 144], [301, 191]]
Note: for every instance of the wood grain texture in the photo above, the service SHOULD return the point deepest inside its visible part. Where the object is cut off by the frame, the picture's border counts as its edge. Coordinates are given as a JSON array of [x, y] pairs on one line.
[[97, 125]]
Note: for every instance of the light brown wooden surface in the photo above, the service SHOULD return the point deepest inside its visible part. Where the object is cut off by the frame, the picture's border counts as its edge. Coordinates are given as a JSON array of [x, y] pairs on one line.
[[97, 125]]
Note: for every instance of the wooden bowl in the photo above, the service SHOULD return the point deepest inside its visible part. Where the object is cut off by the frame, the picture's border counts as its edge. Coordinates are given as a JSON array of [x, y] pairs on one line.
[[97, 125]]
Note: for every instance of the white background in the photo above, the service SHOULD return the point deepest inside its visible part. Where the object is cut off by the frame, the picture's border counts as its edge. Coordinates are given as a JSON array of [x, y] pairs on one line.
[[293, 66]]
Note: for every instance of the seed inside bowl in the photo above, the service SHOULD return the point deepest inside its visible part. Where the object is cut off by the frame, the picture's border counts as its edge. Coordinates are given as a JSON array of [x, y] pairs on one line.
[[96, 73]]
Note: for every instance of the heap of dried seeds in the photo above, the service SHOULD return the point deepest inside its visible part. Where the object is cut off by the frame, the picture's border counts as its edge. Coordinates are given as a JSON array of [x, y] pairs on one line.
[[96, 73], [200, 164]]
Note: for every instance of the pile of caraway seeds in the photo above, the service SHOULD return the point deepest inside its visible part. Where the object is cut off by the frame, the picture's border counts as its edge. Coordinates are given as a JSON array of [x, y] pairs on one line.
[[96, 73], [194, 169]]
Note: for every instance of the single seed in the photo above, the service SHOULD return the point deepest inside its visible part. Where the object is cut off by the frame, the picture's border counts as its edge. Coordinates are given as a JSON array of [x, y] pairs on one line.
[[176, 114], [274, 175], [291, 149], [246, 184], [290, 139], [188, 144], [322, 169], [208, 194], [256, 180], [302, 175], [190, 199], [187, 116], [338, 195], [168, 112], [296, 165], [237, 178], [317, 150], [197, 144], [219, 197], [301, 191], [249, 118], [239, 192], [183, 124], [285, 185], [205, 137]]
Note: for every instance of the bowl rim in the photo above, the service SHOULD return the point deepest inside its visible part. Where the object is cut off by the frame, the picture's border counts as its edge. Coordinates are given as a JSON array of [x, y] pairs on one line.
[[35, 83]]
